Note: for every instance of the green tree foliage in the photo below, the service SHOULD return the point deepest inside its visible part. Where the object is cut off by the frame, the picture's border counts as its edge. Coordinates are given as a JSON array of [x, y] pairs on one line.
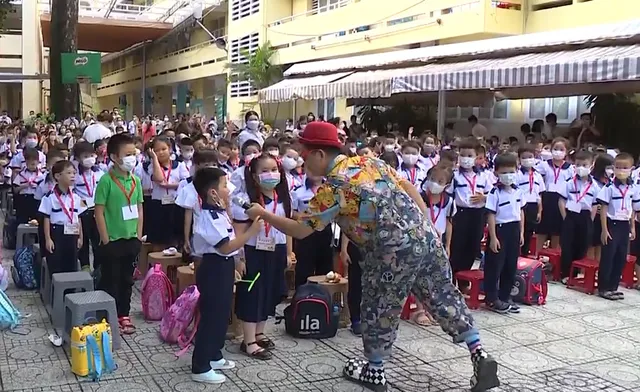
[[617, 117], [5, 5]]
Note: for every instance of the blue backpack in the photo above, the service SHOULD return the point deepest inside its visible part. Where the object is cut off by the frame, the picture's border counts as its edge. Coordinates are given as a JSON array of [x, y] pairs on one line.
[[24, 270], [9, 315], [95, 357]]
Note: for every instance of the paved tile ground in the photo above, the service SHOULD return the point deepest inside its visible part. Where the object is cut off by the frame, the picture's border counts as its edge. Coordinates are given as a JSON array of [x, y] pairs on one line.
[[575, 343]]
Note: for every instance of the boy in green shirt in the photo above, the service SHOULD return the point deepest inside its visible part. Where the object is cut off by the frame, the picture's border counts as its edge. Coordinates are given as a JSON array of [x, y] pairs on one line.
[[119, 218]]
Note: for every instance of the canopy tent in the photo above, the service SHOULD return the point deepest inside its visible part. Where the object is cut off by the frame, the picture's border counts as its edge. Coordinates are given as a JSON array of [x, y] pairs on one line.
[[300, 88]]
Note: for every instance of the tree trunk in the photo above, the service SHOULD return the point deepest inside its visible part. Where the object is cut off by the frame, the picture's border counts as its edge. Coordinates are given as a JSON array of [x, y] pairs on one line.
[[64, 39]]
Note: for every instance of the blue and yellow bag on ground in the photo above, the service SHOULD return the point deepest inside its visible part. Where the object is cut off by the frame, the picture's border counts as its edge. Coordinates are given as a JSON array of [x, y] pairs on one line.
[[91, 350]]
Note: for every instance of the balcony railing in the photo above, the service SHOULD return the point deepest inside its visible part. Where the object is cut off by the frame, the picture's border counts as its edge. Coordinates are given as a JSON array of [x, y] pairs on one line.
[[318, 10]]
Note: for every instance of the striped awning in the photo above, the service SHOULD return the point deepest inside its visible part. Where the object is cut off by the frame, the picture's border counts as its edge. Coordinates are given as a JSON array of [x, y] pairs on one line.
[[592, 65], [310, 88]]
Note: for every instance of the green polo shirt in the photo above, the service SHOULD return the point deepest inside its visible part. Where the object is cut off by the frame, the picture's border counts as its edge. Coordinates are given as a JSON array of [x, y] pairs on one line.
[[111, 196]]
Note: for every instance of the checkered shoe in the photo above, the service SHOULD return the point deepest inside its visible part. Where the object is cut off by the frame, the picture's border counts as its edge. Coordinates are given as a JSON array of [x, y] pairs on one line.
[[485, 372], [372, 378]]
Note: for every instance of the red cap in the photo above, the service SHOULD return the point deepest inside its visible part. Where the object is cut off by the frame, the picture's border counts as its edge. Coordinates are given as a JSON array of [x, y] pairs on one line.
[[321, 134]]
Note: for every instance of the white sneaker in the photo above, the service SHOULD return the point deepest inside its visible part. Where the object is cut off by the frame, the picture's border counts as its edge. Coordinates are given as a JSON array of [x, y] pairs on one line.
[[210, 377], [223, 364]]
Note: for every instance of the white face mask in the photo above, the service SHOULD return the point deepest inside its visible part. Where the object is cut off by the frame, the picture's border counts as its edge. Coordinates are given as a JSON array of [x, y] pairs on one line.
[[252, 124], [248, 158], [274, 153], [558, 154], [609, 172], [187, 155], [129, 163], [466, 162], [528, 162], [507, 178], [582, 171], [89, 162], [434, 188], [545, 155], [31, 142], [289, 163], [353, 150], [300, 161], [410, 160], [389, 147]]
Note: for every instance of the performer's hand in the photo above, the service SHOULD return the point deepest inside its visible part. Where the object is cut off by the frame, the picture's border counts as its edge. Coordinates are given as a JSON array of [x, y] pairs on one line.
[[344, 257], [255, 211]]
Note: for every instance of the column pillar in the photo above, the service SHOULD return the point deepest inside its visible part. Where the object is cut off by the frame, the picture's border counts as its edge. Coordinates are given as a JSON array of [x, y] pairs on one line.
[[31, 58]]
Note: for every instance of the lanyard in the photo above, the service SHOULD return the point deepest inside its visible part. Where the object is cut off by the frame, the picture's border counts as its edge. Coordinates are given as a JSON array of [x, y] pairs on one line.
[[267, 226], [530, 180], [433, 163], [29, 180], [67, 212], [123, 190], [93, 183], [556, 173], [166, 174], [623, 194], [434, 218], [472, 182], [586, 189], [412, 175]]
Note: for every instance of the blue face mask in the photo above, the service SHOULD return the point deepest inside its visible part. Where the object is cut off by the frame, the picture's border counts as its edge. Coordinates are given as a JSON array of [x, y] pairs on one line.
[[269, 180]]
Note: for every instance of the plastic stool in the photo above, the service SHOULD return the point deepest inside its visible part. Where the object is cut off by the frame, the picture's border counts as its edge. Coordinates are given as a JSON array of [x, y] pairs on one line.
[[533, 245], [62, 282], [25, 230], [185, 277], [629, 278], [77, 305], [555, 259], [475, 277], [45, 285], [143, 258], [169, 264], [406, 309], [587, 284]]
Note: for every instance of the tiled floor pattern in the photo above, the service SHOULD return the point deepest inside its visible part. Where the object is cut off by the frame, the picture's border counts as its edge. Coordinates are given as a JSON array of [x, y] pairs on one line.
[[575, 343]]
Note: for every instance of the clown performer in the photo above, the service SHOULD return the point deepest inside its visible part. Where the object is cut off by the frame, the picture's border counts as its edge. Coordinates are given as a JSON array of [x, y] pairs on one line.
[[384, 216]]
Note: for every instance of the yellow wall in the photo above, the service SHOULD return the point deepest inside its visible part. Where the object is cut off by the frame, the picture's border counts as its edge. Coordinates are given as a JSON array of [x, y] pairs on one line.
[[581, 14]]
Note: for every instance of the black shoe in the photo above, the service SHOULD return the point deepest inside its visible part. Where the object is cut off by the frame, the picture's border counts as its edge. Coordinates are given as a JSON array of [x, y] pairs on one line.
[[499, 306], [485, 372], [356, 329], [513, 307], [358, 370]]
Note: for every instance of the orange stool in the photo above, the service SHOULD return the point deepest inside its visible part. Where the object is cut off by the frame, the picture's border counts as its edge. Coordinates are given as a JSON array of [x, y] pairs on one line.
[[587, 284], [555, 260], [338, 293], [475, 277], [143, 259], [629, 277], [185, 277], [169, 264]]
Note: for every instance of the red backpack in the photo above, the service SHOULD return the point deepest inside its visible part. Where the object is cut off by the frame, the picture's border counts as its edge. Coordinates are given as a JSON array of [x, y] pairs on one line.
[[530, 286]]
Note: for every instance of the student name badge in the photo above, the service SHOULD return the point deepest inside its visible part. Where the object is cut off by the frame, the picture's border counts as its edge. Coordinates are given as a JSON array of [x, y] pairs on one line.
[[130, 212], [623, 215], [72, 229], [168, 199], [265, 243]]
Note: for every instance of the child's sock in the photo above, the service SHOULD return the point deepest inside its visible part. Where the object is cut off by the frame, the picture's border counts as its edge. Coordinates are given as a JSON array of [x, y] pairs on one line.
[[473, 342]]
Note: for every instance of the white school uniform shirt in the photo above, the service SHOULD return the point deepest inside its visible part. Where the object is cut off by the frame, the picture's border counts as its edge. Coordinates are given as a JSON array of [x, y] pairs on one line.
[[212, 228], [440, 212], [462, 184], [18, 161], [239, 216], [426, 163], [145, 178], [531, 184], [555, 177], [300, 198], [621, 199], [295, 180], [86, 183], [505, 203], [25, 176], [44, 187], [415, 175], [237, 179], [585, 190], [177, 173], [52, 208]]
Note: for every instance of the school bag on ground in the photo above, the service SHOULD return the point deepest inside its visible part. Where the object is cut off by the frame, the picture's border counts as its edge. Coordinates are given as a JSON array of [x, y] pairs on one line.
[[24, 268], [311, 313], [9, 315], [9, 232], [91, 350], [157, 294], [176, 321], [530, 286]]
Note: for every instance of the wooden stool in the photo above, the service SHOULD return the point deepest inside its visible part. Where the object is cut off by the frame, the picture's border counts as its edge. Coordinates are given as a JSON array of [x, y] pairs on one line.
[[185, 278], [169, 263], [629, 278], [475, 277], [555, 259], [143, 258], [587, 284], [338, 292]]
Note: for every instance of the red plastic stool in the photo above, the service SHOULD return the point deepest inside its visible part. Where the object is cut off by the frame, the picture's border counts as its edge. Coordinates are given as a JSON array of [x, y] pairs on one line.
[[406, 310], [587, 284], [629, 273], [555, 260], [533, 245], [475, 277]]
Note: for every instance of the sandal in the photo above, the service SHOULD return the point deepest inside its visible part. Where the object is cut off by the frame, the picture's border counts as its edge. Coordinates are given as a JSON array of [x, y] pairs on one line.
[[260, 353], [421, 318], [265, 342], [126, 326]]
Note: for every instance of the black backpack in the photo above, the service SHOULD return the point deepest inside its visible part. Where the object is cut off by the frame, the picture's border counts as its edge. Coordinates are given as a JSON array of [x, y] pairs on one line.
[[311, 313]]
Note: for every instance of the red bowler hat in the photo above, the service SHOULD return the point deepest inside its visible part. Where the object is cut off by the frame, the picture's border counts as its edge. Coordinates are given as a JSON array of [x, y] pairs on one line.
[[321, 134]]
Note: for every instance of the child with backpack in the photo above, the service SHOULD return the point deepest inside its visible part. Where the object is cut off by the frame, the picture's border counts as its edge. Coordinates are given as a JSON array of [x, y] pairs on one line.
[[215, 240], [61, 209]]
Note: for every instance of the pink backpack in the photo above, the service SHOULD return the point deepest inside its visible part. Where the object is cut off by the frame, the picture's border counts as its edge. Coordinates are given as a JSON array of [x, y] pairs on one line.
[[182, 314], [157, 294]]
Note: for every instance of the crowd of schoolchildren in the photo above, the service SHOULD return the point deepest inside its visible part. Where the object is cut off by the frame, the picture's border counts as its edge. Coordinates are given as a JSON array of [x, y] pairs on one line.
[[181, 196]]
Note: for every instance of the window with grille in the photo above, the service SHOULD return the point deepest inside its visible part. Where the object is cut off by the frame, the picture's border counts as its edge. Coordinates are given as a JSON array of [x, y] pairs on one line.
[[566, 108], [238, 48], [240, 88], [243, 8], [499, 111]]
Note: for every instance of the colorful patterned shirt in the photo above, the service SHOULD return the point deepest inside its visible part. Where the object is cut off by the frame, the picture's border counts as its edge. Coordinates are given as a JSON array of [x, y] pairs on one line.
[[365, 198]]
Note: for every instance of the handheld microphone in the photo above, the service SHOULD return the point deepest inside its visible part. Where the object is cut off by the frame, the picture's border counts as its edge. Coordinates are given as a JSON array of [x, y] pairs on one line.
[[240, 202]]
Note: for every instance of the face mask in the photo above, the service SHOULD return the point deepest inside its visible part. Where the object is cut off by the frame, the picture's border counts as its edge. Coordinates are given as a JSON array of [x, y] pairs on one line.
[[187, 155], [89, 162], [558, 154], [300, 161], [434, 187], [249, 157], [352, 150], [622, 174], [252, 125], [128, 163], [274, 153], [582, 171], [166, 119], [341, 126], [410, 160], [289, 163], [466, 162], [269, 180], [31, 143], [545, 155], [389, 147], [507, 178], [429, 148], [609, 172], [528, 162], [303, 126]]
